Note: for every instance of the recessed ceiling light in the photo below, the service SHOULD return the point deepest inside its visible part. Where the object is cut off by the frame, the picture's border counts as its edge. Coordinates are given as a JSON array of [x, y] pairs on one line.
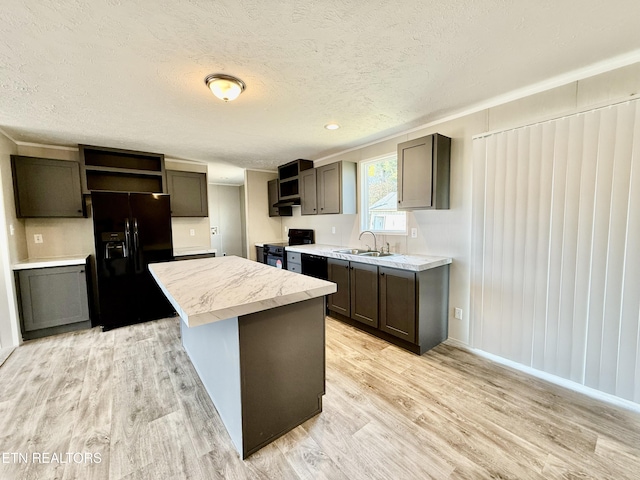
[[332, 126]]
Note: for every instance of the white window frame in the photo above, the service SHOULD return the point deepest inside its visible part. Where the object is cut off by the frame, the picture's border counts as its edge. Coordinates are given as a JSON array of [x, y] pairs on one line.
[[364, 208]]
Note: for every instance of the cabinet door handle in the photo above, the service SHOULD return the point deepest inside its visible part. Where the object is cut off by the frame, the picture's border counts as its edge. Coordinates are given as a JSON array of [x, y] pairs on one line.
[[382, 274]]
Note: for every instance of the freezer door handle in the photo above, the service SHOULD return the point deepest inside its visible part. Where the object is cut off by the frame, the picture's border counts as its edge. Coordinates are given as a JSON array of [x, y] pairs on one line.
[[136, 241], [136, 246], [127, 236]]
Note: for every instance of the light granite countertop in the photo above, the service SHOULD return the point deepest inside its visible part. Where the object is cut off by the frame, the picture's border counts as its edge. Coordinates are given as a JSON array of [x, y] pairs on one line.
[[50, 262], [211, 289], [415, 263], [180, 252], [262, 244]]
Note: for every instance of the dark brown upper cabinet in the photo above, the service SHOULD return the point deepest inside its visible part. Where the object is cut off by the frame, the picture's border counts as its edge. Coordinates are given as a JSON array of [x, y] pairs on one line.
[[336, 188], [188, 192], [113, 169], [308, 197], [272, 194], [288, 176], [423, 173], [46, 187]]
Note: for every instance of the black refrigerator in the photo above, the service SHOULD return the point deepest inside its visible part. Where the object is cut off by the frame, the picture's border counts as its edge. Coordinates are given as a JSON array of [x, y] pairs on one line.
[[131, 231]]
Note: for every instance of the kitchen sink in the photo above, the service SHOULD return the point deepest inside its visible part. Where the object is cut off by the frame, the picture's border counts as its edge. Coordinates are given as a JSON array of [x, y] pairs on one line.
[[363, 253], [375, 254], [352, 251]]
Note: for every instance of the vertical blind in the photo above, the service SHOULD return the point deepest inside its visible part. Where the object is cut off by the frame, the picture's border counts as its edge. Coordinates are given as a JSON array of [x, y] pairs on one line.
[[555, 273]]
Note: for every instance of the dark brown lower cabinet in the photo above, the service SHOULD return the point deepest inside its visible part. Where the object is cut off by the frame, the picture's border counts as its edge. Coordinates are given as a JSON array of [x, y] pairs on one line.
[[398, 303], [364, 293], [404, 307], [357, 294], [53, 300], [338, 273]]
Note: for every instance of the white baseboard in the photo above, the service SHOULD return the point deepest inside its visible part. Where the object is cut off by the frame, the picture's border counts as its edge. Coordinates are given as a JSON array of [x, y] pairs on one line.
[[562, 382]]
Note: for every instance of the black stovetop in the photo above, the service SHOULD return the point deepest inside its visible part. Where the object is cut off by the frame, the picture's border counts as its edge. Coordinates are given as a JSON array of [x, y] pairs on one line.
[[297, 236]]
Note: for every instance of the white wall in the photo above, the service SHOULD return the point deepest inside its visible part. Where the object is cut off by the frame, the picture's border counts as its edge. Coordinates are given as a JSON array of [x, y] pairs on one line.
[[12, 248], [259, 226], [182, 227], [243, 221], [225, 213]]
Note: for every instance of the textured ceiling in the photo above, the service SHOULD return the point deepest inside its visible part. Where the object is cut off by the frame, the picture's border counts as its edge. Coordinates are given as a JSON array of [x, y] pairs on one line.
[[131, 74]]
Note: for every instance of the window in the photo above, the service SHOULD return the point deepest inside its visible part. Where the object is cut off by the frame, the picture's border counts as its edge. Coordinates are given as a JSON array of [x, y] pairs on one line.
[[380, 197]]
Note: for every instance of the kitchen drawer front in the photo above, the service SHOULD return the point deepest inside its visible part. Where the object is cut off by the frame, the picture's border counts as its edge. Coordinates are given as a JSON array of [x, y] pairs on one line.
[[294, 257], [294, 267]]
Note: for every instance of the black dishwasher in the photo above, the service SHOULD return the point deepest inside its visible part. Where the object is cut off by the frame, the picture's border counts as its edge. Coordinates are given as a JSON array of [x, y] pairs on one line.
[[314, 266]]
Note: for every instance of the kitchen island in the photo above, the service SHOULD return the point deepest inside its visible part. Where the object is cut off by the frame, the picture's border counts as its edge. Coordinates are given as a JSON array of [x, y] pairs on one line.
[[255, 335]]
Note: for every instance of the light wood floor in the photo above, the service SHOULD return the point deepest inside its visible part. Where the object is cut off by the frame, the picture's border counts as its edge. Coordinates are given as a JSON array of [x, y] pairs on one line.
[[132, 396], [5, 353]]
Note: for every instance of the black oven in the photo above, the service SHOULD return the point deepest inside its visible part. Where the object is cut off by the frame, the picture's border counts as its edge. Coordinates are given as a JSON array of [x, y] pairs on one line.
[[274, 254]]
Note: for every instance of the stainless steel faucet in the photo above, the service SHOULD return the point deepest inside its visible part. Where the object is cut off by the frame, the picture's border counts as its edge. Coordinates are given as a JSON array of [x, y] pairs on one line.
[[375, 240]]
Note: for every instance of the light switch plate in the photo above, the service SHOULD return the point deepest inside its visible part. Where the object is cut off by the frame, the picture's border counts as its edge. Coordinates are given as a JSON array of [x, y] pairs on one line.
[[457, 313], [414, 233], [38, 238], [214, 230]]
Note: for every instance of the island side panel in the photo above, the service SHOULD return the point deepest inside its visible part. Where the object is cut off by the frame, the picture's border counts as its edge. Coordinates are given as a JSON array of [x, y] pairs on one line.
[[214, 351], [282, 358]]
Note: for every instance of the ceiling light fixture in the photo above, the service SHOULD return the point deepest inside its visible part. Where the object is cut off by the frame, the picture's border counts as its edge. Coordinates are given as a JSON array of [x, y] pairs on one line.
[[225, 87], [332, 126]]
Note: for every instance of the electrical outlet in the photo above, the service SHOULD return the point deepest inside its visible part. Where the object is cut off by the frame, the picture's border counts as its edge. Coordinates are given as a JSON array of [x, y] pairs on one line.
[[414, 233], [38, 238], [214, 230], [12, 229], [192, 232], [333, 230], [457, 313]]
